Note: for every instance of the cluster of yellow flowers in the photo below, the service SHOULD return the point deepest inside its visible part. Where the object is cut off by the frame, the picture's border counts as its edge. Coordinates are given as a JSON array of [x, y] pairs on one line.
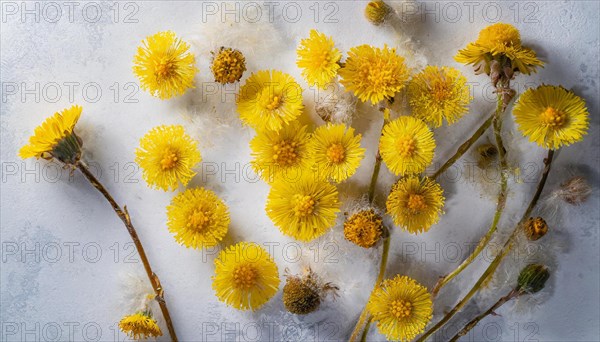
[[303, 166]]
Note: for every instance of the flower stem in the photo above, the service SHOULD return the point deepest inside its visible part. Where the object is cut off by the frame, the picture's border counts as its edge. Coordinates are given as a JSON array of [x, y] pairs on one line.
[[124, 216], [500, 205], [498, 259], [375, 175], [512, 294]]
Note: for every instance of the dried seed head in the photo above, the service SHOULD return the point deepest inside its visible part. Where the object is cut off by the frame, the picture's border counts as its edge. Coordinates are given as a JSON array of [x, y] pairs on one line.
[[575, 191], [535, 228], [303, 294], [533, 278]]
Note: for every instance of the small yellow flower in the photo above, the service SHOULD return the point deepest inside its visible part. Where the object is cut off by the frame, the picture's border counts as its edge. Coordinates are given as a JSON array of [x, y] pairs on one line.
[[140, 326], [336, 151], [164, 65], [167, 156], [551, 116], [318, 58], [198, 218], [56, 138], [439, 93], [415, 203], [374, 74], [407, 146], [269, 99], [377, 11], [364, 228], [303, 208], [501, 42], [401, 307], [228, 65], [281, 153], [246, 276]]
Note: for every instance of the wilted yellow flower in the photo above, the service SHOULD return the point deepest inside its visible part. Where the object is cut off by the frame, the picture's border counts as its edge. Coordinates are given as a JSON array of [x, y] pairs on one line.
[[246, 276], [302, 294], [377, 11], [415, 203], [55, 138], [401, 307], [198, 218], [303, 208], [281, 153], [164, 65], [318, 58], [374, 74], [140, 326], [407, 145], [439, 93], [364, 228], [551, 116], [336, 151], [269, 99], [167, 156], [228, 65], [501, 42]]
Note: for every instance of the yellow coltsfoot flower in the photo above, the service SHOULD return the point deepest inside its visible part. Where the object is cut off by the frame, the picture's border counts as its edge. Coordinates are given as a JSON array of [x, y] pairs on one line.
[[415, 204], [364, 228], [407, 146], [228, 65], [282, 153], [56, 138], [269, 99], [246, 276], [377, 12], [336, 151], [439, 93], [499, 42], [164, 65], [167, 155], [140, 326], [373, 74], [318, 58], [401, 307], [303, 208], [551, 116], [198, 218]]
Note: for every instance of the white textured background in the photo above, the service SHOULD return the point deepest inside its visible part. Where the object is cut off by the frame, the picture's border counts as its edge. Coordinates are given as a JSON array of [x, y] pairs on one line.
[[64, 252]]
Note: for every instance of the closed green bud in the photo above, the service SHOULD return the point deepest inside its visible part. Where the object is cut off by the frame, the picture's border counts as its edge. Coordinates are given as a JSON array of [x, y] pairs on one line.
[[533, 278]]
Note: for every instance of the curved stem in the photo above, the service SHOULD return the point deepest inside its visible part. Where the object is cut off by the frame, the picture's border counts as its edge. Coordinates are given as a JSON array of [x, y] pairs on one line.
[[124, 216], [498, 259], [378, 160]]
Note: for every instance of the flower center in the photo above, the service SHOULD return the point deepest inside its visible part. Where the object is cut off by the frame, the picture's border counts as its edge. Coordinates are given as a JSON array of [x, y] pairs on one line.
[[554, 118], [164, 68], [169, 159], [244, 276], [198, 220], [336, 153], [274, 104], [406, 146], [284, 153], [401, 308], [416, 203], [440, 91], [323, 59], [305, 205]]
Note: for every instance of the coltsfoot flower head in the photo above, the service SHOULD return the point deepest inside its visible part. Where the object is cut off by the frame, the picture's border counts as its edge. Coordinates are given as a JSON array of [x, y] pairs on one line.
[[303, 294], [501, 43], [167, 155], [336, 151], [415, 203], [246, 276], [401, 307], [139, 326], [198, 218], [377, 11], [56, 138], [551, 116], [164, 65], [303, 208], [228, 65], [439, 93], [269, 99], [373, 74], [318, 58], [282, 153], [407, 146], [535, 228], [533, 278], [364, 228]]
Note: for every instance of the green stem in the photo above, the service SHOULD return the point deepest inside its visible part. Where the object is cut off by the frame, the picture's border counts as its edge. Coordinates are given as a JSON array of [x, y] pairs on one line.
[[498, 259], [363, 338], [378, 159]]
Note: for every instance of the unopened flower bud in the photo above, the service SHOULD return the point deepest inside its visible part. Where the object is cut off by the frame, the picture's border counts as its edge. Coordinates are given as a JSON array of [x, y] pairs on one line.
[[228, 65], [377, 11], [535, 228], [533, 278]]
